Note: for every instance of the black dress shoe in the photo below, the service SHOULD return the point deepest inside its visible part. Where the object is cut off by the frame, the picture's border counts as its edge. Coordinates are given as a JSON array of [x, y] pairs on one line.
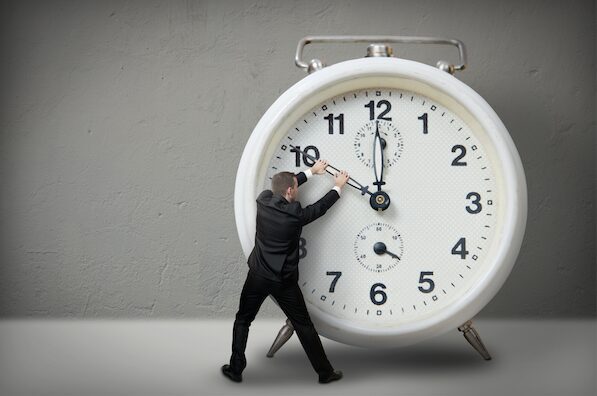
[[335, 376], [233, 376]]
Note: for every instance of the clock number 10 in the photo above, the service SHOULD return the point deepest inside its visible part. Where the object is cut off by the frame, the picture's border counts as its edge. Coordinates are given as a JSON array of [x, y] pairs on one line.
[[311, 150]]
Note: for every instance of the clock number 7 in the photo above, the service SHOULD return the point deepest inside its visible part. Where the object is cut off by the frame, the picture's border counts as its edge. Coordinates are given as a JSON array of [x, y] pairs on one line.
[[336, 275]]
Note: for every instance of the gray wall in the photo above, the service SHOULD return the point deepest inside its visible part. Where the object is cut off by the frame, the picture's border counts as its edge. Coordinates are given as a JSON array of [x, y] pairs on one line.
[[123, 123]]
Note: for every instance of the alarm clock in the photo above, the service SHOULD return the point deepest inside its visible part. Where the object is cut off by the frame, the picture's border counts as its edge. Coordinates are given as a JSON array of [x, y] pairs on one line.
[[433, 218]]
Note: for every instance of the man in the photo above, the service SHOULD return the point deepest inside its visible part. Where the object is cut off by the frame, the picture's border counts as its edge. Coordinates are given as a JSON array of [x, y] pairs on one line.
[[273, 267]]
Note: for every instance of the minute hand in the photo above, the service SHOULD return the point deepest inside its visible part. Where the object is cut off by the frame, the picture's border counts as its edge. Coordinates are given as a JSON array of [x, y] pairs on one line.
[[363, 189]]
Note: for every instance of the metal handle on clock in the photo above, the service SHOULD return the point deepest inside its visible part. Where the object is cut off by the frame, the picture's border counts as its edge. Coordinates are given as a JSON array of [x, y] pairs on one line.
[[298, 59]]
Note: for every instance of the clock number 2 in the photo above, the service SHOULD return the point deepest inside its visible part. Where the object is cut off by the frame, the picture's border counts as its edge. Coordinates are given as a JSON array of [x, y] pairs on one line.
[[336, 275], [374, 293]]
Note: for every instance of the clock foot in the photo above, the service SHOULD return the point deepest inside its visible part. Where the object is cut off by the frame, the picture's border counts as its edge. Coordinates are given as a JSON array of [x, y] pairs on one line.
[[283, 335], [474, 339]]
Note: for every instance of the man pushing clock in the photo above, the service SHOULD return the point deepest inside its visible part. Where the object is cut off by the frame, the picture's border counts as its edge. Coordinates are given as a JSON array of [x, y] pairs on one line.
[[273, 267]]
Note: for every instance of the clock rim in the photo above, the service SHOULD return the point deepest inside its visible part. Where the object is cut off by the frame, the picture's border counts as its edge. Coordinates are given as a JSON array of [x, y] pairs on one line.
[[316, 88]]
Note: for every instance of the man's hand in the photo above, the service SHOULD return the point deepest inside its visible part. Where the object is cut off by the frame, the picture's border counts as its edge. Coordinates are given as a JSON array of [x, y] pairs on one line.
[[341, 178], [319, 167]]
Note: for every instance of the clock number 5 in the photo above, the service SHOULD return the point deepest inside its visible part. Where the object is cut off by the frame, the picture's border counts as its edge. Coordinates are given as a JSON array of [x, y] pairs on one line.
[[336, 275], [371, 106], [428, 281], [373, 294], [476, 201]]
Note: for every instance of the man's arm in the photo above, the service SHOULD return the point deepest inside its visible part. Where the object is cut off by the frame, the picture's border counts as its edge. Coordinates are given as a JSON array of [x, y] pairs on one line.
[[314, 211], [302, 177]]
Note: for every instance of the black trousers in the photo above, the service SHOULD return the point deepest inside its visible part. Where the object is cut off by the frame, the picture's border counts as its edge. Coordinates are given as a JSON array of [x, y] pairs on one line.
[[290, 299]]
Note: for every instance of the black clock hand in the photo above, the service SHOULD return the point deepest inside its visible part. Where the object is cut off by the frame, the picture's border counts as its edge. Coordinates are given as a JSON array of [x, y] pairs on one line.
[[378, 147], [363, 189], [380, 248]]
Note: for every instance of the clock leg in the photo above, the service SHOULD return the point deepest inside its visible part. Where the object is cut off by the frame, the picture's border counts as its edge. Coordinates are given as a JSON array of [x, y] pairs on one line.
[[283, 335], [474, 339]]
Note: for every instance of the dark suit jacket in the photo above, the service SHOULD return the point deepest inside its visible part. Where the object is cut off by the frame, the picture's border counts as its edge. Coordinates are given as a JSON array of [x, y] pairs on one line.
[[279, 226]]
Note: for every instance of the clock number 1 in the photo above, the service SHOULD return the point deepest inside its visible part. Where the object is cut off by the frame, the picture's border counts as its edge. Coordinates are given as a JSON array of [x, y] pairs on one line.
[[424, 119]]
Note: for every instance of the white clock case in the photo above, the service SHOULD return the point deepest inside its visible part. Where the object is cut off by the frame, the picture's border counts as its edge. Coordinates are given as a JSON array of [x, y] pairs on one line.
[[450, 92]]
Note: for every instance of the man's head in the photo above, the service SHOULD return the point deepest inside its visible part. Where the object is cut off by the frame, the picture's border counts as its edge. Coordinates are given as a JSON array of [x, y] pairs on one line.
[[286, 185]]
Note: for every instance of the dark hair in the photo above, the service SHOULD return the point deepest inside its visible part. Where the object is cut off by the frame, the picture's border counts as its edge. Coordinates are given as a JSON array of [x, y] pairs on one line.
[[281, 181]]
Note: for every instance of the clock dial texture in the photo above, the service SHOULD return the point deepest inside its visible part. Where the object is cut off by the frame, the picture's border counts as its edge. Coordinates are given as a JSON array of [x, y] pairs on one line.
[[382, 269]]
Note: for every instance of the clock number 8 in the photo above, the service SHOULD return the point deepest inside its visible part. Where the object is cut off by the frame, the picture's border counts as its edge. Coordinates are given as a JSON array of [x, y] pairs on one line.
[[302, 249], [374, 293]]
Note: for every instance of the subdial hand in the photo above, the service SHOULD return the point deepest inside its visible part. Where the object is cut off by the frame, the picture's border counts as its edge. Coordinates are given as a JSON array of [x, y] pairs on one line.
[[363, 189], [380, 248]]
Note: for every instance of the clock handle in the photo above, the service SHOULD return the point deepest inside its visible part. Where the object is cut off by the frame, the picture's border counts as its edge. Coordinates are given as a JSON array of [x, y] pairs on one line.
[[474, 339], [376, 48]]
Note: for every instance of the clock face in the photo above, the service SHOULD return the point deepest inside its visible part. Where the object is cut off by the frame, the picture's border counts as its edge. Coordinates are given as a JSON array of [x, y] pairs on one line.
[[384, 268]]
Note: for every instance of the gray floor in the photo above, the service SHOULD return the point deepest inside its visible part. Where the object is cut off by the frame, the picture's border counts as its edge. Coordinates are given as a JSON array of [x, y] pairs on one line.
[[104, 357]]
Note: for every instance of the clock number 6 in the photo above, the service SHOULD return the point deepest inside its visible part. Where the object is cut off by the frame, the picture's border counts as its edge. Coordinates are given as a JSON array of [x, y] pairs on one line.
[[374, 293]]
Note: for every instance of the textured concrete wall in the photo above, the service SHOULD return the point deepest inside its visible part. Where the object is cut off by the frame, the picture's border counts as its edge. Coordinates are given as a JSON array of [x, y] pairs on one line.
[[122, 124]]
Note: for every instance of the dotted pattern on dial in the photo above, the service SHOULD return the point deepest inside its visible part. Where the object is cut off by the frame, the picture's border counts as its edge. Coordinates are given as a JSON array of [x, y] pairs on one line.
[[441, 170]]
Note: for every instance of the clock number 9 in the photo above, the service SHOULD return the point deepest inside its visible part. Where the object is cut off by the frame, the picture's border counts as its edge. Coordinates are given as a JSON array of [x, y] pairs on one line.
[[371, 106], [307, 161], [476, 201], [429, 281], [374, 293]]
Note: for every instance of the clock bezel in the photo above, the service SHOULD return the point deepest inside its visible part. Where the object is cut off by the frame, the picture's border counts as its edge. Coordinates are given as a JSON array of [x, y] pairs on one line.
[[450, 92]]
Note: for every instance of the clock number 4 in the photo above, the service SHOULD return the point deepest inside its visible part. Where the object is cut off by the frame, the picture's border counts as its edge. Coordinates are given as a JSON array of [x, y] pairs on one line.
[[460, 248], [336, 275], [382, 103]]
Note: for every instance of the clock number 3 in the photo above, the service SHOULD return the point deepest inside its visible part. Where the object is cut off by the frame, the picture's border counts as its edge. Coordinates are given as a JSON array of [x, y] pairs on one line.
[[476, 201]]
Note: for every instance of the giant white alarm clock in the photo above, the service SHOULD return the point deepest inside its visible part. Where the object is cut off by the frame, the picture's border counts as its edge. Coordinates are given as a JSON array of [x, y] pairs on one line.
[[433, 219]]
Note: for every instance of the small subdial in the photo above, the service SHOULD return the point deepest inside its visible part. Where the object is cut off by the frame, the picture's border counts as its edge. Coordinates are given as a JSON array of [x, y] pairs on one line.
[[379, 247], [391, 142]]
